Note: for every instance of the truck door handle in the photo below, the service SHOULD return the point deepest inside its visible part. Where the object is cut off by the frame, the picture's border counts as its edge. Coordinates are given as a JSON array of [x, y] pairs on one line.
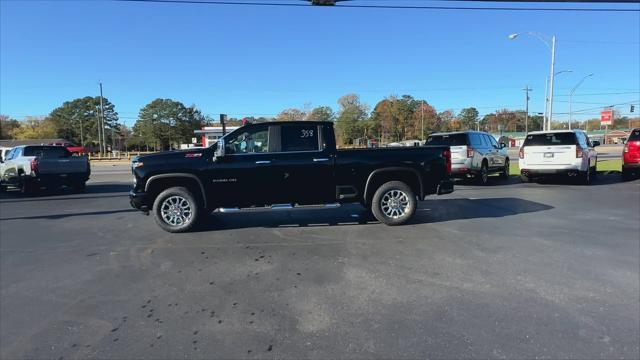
[[263, 162], [320, 159]]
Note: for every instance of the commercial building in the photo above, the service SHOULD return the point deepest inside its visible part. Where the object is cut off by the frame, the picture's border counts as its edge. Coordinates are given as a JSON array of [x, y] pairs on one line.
[[210, 134]]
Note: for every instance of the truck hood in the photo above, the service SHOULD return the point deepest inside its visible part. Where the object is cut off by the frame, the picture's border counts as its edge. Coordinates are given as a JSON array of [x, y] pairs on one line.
[[170, 156]]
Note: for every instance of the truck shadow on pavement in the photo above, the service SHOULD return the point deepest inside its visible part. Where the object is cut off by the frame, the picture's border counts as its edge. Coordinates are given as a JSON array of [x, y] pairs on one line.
[[62, 216], [603, 178], [118, 190], [428, 212]]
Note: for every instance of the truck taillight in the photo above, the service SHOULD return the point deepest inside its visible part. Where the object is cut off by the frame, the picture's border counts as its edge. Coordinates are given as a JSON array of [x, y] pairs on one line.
[[578, 152], [521, 153], [34, 165], [447, 159], [469, 152], [626, 148]]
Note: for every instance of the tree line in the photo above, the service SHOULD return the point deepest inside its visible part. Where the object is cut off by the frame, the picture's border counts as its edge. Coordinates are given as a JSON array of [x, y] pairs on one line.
[[165, 123]]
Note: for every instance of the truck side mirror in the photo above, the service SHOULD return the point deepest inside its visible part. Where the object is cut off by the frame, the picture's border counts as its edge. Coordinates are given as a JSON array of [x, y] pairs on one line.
[[503, 145], [220, 149], [595, 143]]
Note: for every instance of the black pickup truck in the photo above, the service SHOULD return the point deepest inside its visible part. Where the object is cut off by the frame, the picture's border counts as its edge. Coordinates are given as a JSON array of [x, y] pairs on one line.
[[283, 165]]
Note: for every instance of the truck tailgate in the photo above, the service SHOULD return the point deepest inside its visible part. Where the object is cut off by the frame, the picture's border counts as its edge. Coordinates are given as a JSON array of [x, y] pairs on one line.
[[70, 165]]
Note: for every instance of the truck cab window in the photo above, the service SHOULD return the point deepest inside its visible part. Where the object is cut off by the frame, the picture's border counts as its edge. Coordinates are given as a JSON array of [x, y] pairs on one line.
[[253, 140], [300, 138]]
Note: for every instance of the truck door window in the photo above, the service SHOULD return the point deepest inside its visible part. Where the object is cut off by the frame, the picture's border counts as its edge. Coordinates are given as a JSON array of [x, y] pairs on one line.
[[300, 138], [252, 140]]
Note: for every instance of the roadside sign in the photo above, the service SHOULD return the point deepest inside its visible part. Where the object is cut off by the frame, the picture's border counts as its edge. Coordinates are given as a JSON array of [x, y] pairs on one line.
[[606, 117]]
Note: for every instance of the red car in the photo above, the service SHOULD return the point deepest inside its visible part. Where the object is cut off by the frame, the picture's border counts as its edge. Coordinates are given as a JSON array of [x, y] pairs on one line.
[[631, 155], [74, 149]]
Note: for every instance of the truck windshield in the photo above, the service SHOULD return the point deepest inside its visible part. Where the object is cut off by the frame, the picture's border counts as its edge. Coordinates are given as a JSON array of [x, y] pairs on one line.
[[451, 140], [50, 152], [565, 138]]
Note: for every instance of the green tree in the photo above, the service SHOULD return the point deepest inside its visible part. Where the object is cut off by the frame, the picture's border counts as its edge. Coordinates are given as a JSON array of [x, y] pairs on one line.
[[78, 120], [34, 128], [165, 123], [351, 112], [468, 118], [7, 125], [321, 113]]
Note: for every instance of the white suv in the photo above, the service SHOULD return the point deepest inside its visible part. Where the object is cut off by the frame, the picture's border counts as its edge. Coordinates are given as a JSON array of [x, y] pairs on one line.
[[564, 152]]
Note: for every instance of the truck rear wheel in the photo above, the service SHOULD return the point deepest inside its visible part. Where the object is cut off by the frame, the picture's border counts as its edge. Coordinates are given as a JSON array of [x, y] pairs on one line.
[[176, 210], [79, 187], [393, 203], [27, 186]]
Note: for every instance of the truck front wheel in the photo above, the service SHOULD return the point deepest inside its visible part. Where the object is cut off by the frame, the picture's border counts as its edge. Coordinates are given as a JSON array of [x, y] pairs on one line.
[[393, 203], [176, 210]]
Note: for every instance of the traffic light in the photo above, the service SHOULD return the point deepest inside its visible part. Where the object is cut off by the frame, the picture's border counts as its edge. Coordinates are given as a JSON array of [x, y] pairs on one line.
[[632, 108]]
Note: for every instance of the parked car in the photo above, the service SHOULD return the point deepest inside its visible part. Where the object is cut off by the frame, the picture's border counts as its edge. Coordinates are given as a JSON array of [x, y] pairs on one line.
[[3, 153], [281, 165], [563, 152], [474, 154], [631, 155], [31, 167]]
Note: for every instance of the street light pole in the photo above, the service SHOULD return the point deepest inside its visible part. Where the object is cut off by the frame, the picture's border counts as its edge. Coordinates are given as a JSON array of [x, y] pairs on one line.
[[104, 139], [553, 64], [526, 108], [571, 98], [552, 48]]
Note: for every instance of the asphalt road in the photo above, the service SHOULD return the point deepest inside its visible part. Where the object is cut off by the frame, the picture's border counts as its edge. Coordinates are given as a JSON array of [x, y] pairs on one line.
[[505, 271]]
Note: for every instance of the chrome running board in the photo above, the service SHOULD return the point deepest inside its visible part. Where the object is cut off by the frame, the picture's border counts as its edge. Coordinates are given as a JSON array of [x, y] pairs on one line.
[[279, 207]]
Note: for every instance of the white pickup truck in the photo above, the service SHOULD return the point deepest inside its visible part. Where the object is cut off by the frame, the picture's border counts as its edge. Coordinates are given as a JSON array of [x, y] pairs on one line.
[[32, 167]]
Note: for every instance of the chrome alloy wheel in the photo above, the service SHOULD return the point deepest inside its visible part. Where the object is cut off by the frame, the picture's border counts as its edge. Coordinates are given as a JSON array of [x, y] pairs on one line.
[[176, 210], [394, 203]]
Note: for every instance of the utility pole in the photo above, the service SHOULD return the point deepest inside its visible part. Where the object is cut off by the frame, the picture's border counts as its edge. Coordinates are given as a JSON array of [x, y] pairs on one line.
[[526, 108], [422, 120], [99, 134], [81, 133], [104, 139]]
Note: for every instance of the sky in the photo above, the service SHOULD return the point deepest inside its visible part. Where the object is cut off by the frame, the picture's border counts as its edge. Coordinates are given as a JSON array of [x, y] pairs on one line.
[[257, 61]]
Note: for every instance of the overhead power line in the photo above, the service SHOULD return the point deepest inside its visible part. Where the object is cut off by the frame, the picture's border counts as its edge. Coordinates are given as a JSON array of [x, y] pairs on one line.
[[609, 93], [376, 6]]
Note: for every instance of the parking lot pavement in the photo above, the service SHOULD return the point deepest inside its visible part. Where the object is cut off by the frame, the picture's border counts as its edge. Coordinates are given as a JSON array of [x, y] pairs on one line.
[[504, 271]]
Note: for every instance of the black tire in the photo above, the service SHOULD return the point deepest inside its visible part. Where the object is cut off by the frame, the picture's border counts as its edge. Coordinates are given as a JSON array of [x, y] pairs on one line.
[[79, 187], [525, 178], [482, 177], [185, 215], [505, 172], [626, 175], [27, 187], [594, 173], [393, 203], [585, 177]]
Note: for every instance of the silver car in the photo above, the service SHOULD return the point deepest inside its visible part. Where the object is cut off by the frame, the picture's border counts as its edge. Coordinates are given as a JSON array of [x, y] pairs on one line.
[[474, 154]]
